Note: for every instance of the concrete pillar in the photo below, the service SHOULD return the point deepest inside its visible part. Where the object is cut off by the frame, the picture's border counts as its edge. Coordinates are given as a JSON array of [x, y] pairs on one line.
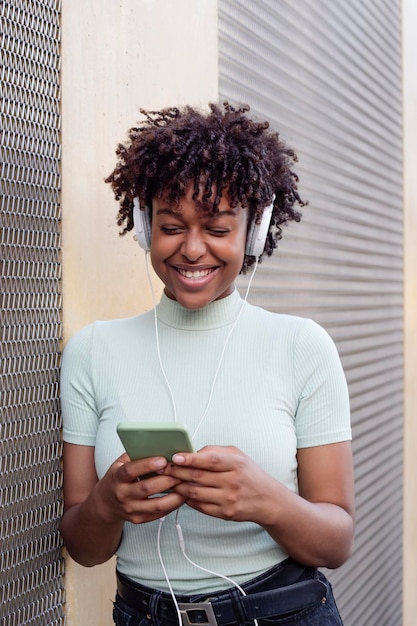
[[116, 57]]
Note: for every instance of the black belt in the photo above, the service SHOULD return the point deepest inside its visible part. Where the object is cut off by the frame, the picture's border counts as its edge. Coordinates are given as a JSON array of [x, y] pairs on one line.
[[222, 610]]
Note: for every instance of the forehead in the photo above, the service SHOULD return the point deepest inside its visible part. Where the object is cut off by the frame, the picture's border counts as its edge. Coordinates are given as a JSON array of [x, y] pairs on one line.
[[201, 203], [188, 208]]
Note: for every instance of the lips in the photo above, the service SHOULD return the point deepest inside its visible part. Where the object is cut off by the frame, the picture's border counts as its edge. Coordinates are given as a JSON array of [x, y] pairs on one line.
[[194, 274]]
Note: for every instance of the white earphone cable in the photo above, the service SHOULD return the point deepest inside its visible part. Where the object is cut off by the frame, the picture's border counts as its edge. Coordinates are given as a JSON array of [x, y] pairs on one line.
[[203, 569], [171, 591], [224, 350], [171, 394]]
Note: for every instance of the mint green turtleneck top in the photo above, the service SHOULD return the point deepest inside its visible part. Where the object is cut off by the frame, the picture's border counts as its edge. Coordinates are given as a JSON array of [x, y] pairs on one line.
[[280, 387]]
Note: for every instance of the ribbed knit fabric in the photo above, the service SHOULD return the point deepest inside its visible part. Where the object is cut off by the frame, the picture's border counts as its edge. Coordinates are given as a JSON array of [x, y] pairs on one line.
[[280, 387]]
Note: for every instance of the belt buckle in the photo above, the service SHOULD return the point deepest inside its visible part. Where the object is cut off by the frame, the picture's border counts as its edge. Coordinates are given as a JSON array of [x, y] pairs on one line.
[[200, 613]]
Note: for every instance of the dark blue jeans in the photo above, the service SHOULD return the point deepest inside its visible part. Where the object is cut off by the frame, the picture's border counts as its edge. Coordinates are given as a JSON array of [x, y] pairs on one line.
[[324, 612]]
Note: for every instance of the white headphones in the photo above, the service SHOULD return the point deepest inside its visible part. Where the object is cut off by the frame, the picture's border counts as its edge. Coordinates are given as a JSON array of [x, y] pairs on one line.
[[255, 242], [142, 223]]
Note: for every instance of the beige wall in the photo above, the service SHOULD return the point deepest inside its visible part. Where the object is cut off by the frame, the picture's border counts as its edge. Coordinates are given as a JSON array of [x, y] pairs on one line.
[[116, 57], [410, 284]]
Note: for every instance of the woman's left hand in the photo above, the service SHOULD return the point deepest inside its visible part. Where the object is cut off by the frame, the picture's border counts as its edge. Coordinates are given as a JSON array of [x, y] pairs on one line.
[[314, 526], [221, 481]]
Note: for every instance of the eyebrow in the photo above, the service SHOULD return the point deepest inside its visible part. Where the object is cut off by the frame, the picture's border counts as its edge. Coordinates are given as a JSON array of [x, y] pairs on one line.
[[231, 212]]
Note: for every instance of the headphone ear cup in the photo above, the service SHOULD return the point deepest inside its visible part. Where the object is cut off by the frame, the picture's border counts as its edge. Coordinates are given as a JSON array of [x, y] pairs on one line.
[[142, 223], [255, 241]]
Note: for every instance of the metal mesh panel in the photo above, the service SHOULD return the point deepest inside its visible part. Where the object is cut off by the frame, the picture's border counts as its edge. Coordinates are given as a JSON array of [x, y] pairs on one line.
[[31, 565]]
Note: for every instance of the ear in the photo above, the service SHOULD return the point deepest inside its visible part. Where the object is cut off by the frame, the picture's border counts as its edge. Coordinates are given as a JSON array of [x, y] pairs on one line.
[[255, 241], [142, 223]]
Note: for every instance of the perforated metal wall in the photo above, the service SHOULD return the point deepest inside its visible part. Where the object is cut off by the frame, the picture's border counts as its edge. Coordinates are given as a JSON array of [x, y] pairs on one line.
[[327, 73], [31, 566]]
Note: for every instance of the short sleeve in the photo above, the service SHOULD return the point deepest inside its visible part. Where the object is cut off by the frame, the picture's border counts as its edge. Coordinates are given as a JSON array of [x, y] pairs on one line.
[[79, 411], [323, 412]]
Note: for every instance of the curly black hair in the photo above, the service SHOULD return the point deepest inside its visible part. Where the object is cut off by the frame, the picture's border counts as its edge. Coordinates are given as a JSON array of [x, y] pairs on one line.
[[220, 151]]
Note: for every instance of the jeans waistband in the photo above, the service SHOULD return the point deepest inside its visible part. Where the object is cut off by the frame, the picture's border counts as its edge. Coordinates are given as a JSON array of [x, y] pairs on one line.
[[285, 588]]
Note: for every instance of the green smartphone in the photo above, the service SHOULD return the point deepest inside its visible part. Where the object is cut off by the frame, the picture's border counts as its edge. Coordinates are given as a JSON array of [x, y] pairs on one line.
[[145, 439]]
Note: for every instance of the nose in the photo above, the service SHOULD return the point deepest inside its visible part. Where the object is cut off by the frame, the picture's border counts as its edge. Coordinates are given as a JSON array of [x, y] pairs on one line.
[[193, 246]]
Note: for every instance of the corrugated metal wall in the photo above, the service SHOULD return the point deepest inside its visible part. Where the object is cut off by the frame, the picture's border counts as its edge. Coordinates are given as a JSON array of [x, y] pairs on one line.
[[31, 564], [327, 73]]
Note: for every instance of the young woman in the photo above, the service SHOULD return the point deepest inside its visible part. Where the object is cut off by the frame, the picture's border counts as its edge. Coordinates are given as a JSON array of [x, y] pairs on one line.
[[234, 532]]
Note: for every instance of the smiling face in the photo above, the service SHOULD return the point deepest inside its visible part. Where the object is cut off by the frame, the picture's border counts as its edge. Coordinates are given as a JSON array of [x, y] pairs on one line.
[[197, 255]]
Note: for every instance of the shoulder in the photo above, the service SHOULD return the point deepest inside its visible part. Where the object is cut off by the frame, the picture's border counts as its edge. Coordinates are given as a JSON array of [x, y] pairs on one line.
[[281, 323], [109, 327], [106, 332], [302, 339]]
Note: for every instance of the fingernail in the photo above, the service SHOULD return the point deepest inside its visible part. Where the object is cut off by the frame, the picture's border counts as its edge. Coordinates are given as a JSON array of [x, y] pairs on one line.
[[159, 463], [178, 458]]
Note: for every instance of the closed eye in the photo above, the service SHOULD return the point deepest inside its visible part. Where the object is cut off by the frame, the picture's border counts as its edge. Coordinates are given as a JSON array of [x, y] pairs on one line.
[[172, 230], [218, 232]]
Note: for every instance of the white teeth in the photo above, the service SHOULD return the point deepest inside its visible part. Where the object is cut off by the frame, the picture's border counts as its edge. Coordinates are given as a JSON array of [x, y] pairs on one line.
[[197, 274]]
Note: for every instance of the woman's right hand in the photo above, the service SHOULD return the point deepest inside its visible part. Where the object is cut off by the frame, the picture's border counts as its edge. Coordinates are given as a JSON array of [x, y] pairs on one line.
[[122, 495], [95, 510]]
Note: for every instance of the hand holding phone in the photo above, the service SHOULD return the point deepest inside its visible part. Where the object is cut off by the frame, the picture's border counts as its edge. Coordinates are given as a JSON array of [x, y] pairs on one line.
[[142, 440]]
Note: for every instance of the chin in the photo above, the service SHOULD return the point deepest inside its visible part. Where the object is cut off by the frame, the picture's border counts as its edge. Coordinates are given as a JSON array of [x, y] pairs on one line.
[[197, 299], [193, 304]]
